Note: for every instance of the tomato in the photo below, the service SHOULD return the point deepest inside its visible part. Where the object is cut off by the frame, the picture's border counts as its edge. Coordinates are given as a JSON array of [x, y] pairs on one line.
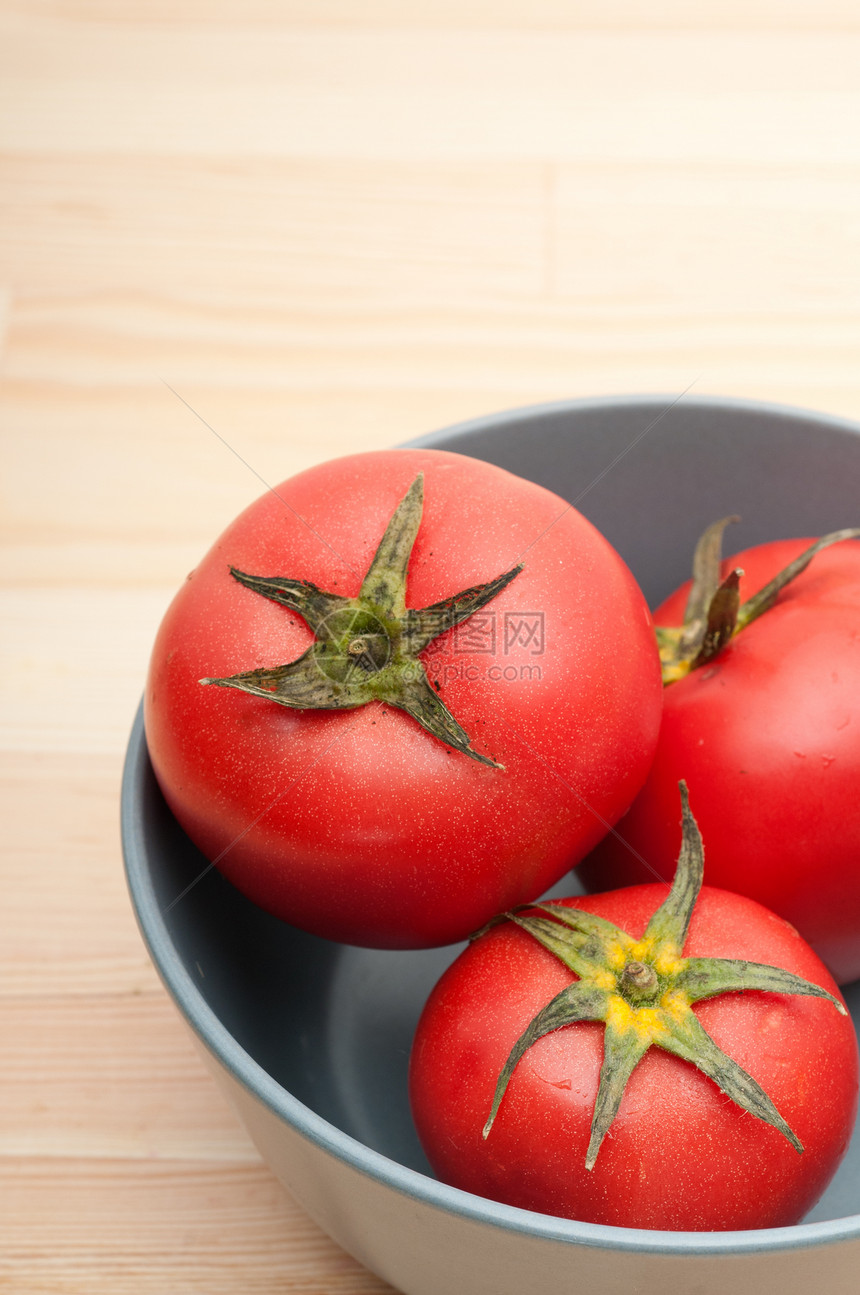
[[358, 823], [679, 1154], [767, 735]]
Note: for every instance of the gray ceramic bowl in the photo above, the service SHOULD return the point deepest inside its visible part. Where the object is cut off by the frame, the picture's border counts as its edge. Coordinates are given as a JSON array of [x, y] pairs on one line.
[[310, 1039]]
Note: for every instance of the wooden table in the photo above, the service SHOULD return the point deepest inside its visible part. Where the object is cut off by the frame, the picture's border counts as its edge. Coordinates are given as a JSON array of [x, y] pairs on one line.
[[241, 236]]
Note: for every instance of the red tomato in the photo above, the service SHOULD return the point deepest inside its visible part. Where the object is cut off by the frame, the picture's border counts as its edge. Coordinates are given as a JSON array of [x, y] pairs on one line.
[[679, 1155], [358, 824], [767, 737]]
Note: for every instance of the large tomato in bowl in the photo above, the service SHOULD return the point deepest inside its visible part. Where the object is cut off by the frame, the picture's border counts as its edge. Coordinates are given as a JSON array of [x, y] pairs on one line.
[[639, 1058], [767, 735], [524, 725]]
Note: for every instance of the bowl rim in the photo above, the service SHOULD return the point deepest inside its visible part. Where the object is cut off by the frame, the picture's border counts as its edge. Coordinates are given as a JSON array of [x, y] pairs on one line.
[[334, 1141], [659, 403]]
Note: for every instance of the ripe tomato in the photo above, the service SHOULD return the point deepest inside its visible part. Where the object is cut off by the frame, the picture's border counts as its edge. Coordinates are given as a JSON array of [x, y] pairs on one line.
[[679, 1154], [767, 736], [359, 824]]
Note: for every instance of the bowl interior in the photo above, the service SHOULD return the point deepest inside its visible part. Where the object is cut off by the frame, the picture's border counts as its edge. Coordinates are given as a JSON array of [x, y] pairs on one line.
[[333, 1024]]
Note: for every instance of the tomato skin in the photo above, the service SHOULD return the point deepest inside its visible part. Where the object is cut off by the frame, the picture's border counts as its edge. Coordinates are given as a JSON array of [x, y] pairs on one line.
[[680, 1155], [767, 738], [358, 825]]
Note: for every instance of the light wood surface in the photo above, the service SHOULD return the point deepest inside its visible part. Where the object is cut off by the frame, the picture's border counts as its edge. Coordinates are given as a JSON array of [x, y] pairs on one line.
[[241, 236]]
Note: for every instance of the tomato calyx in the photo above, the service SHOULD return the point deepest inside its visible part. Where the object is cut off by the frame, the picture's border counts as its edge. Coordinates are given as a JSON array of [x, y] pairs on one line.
[[366, 648], [643, 991], [714, 613], [638, 982]]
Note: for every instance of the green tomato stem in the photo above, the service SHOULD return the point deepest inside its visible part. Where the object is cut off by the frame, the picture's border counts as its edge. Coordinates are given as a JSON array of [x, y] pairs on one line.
[[366, 648], [714, 613], [644, 991]]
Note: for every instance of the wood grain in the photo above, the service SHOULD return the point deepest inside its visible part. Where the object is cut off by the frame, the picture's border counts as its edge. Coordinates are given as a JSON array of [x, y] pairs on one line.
[[241, 236]]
